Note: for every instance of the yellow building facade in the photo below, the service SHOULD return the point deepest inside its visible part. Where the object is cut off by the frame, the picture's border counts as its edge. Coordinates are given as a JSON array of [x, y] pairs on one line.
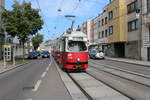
[[117, 28], [118, 21]]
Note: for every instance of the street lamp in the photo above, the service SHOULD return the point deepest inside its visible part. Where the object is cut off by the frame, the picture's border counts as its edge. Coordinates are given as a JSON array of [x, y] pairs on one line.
[[137, 13]]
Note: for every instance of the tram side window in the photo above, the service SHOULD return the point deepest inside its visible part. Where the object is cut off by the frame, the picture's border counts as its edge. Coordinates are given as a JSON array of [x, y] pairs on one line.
[[62, 46], [76, 46]]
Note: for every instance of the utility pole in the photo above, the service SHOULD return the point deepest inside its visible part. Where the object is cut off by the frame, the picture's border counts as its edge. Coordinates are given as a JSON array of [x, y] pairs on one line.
[[141, 25], [139, 16], [2, 34]]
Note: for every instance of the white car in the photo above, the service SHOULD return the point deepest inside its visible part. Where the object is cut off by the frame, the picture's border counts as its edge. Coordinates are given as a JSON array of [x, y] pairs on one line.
[[99, 55], [95, 54]]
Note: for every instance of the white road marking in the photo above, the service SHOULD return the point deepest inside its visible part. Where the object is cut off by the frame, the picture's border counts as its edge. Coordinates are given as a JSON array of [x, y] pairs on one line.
[[28, 99], [37, 85], [43, 75], [47, 68]]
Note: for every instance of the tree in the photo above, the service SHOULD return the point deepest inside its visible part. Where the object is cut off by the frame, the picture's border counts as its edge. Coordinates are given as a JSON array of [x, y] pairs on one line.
[[22, 21], [37, 40]]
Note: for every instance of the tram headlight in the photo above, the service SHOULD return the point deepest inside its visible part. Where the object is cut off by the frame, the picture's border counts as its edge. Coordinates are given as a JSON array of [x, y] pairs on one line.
[[70, 38], [85, 39], [78, 59]]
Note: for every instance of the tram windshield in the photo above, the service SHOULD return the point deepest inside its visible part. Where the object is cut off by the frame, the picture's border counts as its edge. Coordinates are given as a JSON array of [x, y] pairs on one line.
[[77, 46]]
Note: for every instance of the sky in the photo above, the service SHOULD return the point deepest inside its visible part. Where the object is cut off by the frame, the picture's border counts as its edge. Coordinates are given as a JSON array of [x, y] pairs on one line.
[[54, 22]]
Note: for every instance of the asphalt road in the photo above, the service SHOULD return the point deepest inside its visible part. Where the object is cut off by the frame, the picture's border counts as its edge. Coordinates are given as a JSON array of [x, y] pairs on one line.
[[40, 80], [36, 80]]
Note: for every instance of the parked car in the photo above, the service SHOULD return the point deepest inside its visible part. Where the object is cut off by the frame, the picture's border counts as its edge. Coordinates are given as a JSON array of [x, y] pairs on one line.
[[96, 54], [45, 54], [32, 55], [38, 53]]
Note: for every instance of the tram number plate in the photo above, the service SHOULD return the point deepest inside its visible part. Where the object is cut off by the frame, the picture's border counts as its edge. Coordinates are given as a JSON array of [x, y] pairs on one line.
[[77, 66]]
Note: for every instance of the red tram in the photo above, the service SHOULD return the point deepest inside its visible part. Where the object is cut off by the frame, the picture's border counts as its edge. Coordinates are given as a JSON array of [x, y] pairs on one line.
[[71, 51]]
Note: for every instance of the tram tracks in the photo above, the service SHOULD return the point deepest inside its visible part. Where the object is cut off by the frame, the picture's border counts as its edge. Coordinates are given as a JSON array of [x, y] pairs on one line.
[[121, 69], [90, 87], [80, 87], [95, 89], [125, 74]]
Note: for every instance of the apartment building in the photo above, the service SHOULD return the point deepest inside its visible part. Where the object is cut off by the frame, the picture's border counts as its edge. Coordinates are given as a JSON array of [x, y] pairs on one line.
[[2, 3], [138, 35], [117, 27], [101, 30], [28, 46], [133, 45], [87, 28], [145, 29]]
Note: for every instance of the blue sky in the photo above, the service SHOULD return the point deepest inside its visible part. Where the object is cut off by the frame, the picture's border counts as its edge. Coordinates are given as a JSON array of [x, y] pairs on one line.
[[87, 9]]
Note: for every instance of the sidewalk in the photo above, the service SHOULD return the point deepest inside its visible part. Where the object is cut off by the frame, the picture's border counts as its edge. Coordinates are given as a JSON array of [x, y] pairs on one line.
[[131, 61], [9, 66]]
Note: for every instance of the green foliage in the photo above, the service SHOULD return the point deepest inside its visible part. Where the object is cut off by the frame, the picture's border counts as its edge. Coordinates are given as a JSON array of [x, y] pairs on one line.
[[37, 40], [22, 21]]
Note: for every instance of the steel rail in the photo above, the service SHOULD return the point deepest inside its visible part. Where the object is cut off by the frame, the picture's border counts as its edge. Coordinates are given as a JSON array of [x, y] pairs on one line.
[[80, 87], [110, 86], [123, 70], [88, 96], [121, 77]]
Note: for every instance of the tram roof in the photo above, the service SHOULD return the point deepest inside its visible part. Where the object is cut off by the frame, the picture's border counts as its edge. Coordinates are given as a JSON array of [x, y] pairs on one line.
[[74, 33]]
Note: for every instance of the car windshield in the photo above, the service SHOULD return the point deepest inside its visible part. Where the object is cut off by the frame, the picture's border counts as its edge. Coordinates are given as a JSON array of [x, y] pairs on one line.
[[77, 46], [93, 51], [31, 53], [100, 51], [45, 52]]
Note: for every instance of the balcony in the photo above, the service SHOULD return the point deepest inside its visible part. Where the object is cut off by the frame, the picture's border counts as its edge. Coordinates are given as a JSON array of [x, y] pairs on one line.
[[102, 41], [146, 41]]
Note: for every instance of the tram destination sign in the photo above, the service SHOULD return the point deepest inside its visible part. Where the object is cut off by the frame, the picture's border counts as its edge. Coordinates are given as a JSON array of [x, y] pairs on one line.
[[78, 38]]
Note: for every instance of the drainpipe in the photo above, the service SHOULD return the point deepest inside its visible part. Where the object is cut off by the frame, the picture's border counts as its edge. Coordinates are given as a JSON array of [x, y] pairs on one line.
[[139, 16], [140, 41]]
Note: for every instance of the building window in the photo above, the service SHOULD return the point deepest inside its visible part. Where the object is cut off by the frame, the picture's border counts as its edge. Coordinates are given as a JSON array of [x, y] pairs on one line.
[[110, 30], [102, 22], [110, 1], [99, 35], [149, 34], [99, 23], [105, 20], [95, 25], [132, 7], [148, 5], [106, 33], [110, 15], [102, 34], [133, 25]]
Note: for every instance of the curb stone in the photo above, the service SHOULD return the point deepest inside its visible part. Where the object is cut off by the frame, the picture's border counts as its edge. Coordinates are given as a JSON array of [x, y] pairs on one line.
[[17, 66], [128, 62]]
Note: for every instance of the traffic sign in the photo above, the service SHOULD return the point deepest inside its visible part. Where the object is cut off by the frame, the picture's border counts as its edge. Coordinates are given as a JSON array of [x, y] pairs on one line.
[[7, 46]]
